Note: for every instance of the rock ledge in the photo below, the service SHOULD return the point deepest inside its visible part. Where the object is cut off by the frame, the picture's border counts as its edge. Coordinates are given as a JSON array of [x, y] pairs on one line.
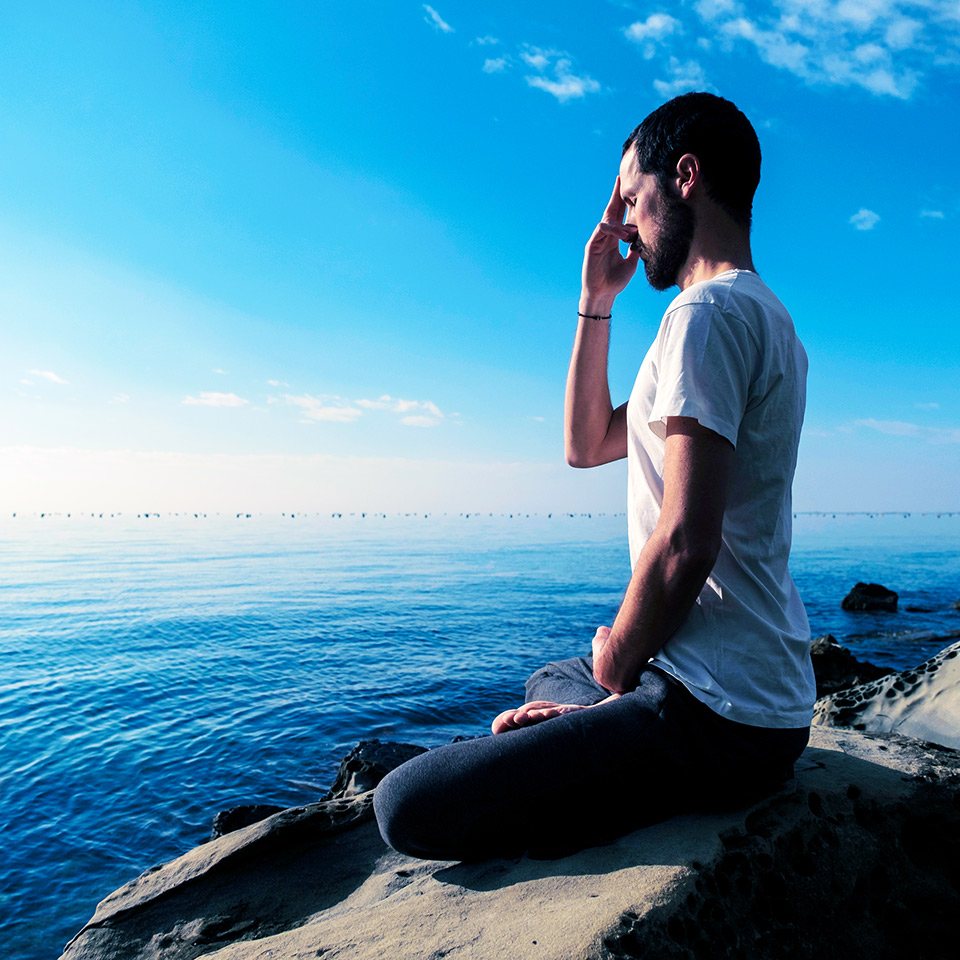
[[857, 857]]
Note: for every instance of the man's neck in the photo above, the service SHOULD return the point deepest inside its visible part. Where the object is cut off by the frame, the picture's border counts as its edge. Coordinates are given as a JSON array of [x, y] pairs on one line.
[[718, 245], [701, 269]]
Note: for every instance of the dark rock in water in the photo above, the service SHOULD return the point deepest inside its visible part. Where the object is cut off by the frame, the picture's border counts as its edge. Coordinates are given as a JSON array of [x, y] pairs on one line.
[[367, 764], [835, 667], [226, 821], [916, 609], [955, 605], [870, 596], [360, 770]]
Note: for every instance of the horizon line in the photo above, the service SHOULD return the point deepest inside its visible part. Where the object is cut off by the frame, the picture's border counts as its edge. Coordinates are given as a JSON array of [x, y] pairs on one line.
[[339, 514]]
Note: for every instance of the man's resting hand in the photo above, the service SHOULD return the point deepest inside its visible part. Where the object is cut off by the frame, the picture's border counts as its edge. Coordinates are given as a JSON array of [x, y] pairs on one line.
[[538, 710]]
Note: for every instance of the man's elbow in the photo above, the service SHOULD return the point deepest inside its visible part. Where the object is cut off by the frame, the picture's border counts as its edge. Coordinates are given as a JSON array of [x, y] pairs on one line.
[[695, 551], [578, 458], [579, 455], [700, 559], [606, 674], [574, 452]]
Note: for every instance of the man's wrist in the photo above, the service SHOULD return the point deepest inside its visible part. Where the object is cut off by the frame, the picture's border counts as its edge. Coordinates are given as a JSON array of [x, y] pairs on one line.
[[595, 306]]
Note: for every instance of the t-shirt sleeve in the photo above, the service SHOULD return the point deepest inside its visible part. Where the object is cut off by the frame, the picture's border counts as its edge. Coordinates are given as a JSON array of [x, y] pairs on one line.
[[704, 366]]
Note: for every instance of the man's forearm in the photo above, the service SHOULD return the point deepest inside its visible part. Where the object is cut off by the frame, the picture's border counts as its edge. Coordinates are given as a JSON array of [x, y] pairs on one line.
[[594, 432], [666, 581], [588, 410]]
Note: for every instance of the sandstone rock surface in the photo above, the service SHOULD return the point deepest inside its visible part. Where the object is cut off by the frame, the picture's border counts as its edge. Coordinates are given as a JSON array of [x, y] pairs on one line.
[[922, 702], [236, 818], [858, 857]]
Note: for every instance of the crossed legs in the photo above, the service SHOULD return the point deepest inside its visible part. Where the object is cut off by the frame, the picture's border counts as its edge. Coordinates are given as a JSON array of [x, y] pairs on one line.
[[581, 778]]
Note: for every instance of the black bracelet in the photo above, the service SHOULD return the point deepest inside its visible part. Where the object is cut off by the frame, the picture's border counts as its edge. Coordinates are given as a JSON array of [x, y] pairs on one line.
[[593, 316]]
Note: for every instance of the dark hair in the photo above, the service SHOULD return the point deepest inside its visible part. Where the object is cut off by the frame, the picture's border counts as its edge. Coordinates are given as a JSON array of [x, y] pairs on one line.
[[717, 134]]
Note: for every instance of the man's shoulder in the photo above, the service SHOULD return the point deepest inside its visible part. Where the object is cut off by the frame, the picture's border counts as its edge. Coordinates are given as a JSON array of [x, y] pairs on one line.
[[739, 295], [724, 288]]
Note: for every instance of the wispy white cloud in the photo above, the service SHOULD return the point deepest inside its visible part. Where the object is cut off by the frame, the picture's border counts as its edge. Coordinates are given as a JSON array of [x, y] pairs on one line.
[[222, 373], [902, 32], [933, 214], [210, 399], [384, 403], [554, 71], [537, 57], [656, 35], [714, 9], [120, 398], [46, 375], [774, 46], [567, 85], [495, 65], [647, 34], [278, 383], [403, 406], [898, 428], [865, 219], [334, 409], [486, 41], [419, 413], [323, 409], [683, 76], [882, 46], [435, 20], [564, 84], [927, 406]]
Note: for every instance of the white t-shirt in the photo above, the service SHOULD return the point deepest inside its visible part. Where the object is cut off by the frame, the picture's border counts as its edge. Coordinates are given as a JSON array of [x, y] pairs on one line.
[[727, 354]]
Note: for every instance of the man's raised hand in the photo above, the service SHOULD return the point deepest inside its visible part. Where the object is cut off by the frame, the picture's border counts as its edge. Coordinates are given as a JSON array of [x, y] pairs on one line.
[[605, 271]]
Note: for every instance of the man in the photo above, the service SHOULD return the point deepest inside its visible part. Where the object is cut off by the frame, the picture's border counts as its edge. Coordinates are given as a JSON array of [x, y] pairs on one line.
[[700, 693]]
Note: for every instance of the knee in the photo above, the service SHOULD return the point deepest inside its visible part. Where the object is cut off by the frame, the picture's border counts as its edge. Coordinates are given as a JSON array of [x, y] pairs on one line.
[[535, 679], [566, 681], [540, 679], [401, 811]]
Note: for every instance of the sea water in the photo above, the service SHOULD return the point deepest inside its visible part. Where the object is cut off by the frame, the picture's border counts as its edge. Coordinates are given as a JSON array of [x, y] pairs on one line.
[[157, 669]]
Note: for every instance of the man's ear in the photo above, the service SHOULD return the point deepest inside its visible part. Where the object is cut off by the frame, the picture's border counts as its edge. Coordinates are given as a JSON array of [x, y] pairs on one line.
[[688, 175]]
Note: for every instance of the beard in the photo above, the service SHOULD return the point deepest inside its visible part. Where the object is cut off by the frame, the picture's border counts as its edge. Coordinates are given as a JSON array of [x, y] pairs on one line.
[[662, 261]]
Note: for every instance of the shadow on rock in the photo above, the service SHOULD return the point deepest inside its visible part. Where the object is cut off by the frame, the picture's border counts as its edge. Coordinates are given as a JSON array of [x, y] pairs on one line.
[[250, 884]]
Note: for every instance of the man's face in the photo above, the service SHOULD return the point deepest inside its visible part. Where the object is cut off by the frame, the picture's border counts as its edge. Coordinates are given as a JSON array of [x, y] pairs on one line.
[[665, 224]]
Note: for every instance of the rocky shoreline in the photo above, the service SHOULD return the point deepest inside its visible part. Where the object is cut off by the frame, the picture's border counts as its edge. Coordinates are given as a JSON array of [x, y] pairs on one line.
[[857, 855]]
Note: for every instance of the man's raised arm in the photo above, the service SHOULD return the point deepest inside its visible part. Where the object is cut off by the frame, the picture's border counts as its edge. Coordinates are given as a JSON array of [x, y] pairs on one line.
[[594, 432]]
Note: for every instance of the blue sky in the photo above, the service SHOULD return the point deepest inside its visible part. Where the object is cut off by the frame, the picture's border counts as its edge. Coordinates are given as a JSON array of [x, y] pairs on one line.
[[326, 255]]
